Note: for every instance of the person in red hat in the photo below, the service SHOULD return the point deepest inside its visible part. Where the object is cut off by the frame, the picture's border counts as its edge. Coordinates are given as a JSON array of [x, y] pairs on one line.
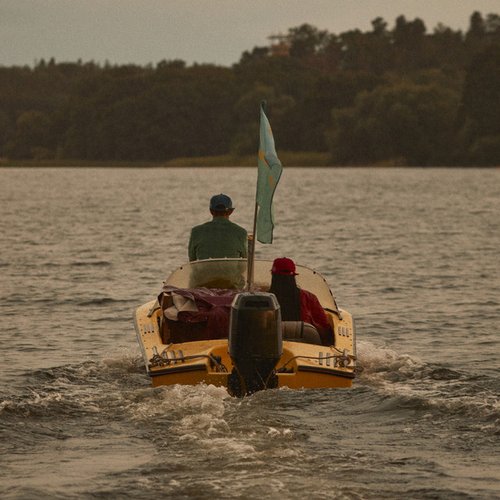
[[297, 304]]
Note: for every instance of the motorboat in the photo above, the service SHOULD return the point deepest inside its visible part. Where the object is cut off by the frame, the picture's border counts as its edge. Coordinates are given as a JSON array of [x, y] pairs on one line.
[[205, 326]]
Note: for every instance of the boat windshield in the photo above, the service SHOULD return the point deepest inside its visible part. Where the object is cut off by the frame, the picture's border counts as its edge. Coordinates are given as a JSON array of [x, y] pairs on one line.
[[232, 273]]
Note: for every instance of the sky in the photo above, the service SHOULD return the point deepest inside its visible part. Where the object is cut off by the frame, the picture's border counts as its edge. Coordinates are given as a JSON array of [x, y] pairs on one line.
[[195, 31]]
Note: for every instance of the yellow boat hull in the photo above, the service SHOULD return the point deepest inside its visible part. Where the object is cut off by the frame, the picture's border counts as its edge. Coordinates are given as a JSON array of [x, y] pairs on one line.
[[208, 362]]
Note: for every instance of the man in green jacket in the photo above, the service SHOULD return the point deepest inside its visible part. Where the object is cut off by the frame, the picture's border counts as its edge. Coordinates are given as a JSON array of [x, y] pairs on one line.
[[220, 237]]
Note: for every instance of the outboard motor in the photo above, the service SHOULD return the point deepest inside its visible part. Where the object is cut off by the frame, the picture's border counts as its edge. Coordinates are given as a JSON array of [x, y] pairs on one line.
[[255, 342]]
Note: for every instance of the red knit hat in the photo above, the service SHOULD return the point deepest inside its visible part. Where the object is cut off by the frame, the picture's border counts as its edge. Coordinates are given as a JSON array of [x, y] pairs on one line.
[[283, 266]]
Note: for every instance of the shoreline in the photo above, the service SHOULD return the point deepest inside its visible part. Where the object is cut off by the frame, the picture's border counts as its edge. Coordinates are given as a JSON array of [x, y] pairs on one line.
[[288, 159], [306, 159]]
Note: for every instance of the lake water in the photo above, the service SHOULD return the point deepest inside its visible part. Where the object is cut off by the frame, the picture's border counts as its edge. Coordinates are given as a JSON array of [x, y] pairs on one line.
[[413, 254]]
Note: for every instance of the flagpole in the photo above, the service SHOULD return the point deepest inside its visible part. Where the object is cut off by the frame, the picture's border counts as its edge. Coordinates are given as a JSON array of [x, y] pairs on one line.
[[251, 251]]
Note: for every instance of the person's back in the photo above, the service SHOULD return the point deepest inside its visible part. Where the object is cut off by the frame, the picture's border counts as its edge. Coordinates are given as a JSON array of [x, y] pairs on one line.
[[220, 237], [297, 304]]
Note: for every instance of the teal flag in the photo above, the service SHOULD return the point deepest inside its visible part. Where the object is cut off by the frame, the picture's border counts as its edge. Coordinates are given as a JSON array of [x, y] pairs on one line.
[[269, 174]]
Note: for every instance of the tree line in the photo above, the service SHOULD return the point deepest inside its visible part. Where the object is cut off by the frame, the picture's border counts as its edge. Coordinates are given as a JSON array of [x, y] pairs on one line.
[[399, 95]]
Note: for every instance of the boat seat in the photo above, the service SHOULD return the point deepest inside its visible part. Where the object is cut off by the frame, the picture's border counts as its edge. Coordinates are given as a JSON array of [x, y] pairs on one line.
[[190, 331], [300, 331], [177, 332]]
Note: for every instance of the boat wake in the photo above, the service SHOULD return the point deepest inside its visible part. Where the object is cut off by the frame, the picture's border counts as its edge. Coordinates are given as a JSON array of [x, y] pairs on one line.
[[107, 408], [117, 388], [408, 382]]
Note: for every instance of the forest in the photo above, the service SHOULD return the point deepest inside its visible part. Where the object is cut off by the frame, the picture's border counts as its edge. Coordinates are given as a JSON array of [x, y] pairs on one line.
[[393, 95]]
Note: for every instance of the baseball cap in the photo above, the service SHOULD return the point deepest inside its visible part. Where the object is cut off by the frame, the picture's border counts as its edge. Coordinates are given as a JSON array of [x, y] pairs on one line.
[[283, 266], [221, 202]]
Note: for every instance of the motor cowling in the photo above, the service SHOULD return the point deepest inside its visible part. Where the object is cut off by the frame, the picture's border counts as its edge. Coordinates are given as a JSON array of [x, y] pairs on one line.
[[255, 342]]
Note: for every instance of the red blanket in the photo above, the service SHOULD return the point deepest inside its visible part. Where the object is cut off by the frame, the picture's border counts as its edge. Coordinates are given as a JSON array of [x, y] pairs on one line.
[[214, 307]]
